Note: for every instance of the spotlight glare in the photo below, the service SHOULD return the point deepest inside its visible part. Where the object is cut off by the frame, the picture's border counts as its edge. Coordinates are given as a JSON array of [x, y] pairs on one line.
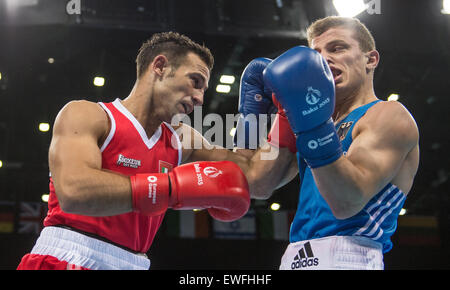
[[275, 206], [44, 197], [445, 7], [223, 89], [232, 132], [349, 8], [99, 81], [44, 127], [393, 97], [227, 79]]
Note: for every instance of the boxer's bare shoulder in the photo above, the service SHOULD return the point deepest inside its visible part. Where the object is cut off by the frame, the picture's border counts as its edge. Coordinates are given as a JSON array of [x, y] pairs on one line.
[[392, 120], [389, 128], [80, 117]]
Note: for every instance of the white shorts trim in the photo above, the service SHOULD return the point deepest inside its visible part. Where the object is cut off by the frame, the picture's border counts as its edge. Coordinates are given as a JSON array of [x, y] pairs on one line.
[[334, 253], [78, 249]]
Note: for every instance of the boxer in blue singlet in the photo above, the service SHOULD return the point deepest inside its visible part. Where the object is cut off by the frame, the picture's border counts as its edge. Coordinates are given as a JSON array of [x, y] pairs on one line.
[[357, 155]]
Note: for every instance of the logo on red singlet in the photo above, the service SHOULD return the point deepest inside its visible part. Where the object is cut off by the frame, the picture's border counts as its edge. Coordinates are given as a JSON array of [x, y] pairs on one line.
[[128, 162], [165, 167]]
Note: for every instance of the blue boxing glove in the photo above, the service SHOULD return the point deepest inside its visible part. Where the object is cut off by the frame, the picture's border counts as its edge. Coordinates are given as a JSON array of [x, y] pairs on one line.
[[255, 99], [304, 85]]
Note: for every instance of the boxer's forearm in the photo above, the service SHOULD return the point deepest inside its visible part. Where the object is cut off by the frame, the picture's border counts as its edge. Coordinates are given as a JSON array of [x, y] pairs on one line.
[[265, 174], [266, 169], [93, 192], [345, 187]]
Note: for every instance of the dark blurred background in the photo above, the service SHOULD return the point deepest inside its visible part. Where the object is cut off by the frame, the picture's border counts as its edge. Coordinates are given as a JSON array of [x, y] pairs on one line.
[[50, 54]]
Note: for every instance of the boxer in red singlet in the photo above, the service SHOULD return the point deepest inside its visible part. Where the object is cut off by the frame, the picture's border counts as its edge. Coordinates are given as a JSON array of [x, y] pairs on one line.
[[115, 167]]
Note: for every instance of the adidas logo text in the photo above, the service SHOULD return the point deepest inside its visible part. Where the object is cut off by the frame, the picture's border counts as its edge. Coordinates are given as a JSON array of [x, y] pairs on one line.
[[304, 258]]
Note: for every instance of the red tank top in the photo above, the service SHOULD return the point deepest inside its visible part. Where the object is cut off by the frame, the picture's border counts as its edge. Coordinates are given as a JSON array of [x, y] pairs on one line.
[[126, 150]]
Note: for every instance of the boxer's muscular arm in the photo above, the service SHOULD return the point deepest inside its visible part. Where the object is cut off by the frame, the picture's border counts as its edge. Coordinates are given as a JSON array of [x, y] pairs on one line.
[[385, 139], [81, 186], [264, 174], [267, 175]]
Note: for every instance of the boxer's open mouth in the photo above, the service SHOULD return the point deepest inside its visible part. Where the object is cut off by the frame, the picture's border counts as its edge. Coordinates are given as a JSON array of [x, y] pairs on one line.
[[336, 73]]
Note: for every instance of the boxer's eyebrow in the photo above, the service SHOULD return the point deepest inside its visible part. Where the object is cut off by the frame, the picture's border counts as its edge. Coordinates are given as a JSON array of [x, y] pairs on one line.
[[337, 42], [331, 44], [201, 77]]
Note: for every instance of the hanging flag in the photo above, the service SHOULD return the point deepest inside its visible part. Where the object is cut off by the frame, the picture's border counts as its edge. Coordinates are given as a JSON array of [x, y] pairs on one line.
[[243, 228], [187, 223], [31, 217], [274, 225], [6, 217], [415, 230]]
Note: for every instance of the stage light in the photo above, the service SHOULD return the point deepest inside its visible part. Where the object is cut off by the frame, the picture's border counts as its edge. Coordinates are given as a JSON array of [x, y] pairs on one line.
[[12, 6], [44, 197], [44, 127], [99, 81], [1, 164], [227, 79], [393, 97], [349, 8], [275, 206], [223, 89], [232, 132], [445, 7], [402, 211]]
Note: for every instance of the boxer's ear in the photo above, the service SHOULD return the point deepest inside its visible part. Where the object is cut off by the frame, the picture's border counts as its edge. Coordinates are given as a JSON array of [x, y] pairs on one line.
[[159, 64], [373, 58]]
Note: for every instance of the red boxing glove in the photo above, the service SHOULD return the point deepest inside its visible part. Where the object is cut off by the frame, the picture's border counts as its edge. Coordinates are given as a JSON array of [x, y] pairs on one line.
[[150, 193], [220, 187], [281, 134]]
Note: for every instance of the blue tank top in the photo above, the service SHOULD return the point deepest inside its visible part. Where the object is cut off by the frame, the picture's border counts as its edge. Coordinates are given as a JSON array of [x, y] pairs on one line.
[[314, 219]]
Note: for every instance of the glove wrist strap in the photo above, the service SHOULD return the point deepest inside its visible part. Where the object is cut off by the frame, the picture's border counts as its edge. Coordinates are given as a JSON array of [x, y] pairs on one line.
[[150, 193], [320, 146]]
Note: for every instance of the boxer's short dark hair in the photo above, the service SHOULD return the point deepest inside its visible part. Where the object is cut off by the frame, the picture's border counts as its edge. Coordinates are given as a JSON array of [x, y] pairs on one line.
[[360, 31], [175, 47]]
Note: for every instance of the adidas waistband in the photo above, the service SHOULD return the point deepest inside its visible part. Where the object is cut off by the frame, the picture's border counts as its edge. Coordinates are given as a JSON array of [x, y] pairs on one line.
[[336, 252]]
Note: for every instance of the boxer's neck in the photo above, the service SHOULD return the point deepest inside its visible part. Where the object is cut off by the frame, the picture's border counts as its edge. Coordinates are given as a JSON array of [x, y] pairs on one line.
[[139, 104], [346, 102]]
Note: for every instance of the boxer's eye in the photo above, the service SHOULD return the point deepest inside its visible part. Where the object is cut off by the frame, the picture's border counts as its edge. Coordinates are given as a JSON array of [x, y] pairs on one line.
[[338, 48], [198, 81]]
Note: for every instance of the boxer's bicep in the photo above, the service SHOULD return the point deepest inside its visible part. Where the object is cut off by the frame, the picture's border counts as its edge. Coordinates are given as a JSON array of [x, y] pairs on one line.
[[74, 149], [381, 142], [380, 149]]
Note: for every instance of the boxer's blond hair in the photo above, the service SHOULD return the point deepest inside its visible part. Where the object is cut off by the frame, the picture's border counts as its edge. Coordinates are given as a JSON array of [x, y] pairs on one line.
[[175, 47], [360, 31]]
